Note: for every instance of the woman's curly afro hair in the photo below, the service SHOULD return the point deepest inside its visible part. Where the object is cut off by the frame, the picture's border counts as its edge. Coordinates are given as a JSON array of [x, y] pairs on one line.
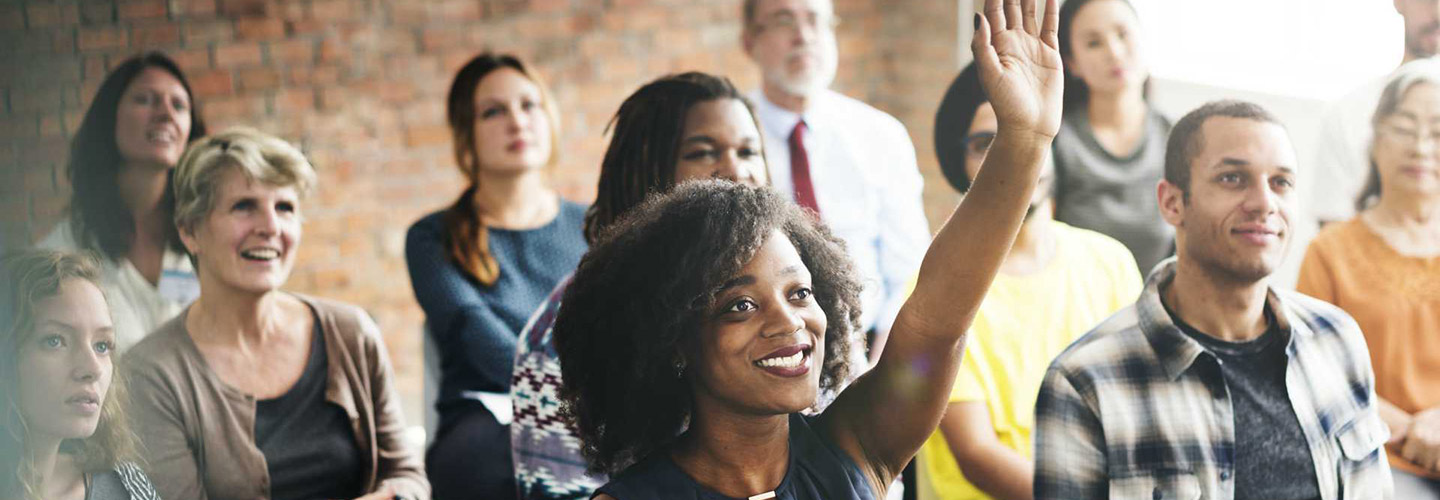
[[638, 300]]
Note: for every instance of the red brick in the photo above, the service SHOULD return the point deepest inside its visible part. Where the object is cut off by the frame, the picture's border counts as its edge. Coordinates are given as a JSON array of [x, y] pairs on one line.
[[191, 60], [97, 13], [239, 8], [293, 52], [154, 36], [26, 101], [427, 135], [199, 33], [101, 39], [237, 55], [234, 109], [258, 79], [142, 9], [313, 75], [290, 101], [212, 83], [12, 18], [51, 126], [64, 41], [45, 15], [194, 8], [256, 28], [333, 10]]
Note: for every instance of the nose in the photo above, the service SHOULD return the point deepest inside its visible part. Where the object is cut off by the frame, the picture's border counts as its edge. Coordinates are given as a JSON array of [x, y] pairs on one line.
[[784, 320], [86, 364], [1260, 199], [519, 118], [268, 223], [165, 110]]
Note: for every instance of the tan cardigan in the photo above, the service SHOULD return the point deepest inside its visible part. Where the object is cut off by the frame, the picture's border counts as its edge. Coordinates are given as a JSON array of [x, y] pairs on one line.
[[197, 432]]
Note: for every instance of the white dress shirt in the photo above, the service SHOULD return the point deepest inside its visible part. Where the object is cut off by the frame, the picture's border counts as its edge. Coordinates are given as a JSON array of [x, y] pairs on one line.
[[868, 188], [136, 306]]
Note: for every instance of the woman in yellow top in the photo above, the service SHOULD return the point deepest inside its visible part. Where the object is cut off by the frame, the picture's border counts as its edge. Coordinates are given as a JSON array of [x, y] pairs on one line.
[[1056, 283], [1383, 267]]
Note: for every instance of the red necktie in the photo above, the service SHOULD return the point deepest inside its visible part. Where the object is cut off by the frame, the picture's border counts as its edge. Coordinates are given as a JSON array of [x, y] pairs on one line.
[[800, 169]]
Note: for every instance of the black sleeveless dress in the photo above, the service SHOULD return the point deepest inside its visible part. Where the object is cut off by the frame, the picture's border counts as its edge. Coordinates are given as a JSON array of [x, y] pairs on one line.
[[817, 471]]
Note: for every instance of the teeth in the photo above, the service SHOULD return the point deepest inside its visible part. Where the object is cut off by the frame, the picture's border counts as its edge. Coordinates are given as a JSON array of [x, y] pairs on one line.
[[261, 254], [160, 136], [790, 361]]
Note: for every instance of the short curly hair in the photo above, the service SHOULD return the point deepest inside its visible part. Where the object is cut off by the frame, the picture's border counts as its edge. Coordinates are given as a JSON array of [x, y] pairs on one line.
[[638, 301]]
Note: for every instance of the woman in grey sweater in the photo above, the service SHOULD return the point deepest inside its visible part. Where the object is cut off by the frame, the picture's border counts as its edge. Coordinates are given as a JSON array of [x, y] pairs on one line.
[[62, 434]]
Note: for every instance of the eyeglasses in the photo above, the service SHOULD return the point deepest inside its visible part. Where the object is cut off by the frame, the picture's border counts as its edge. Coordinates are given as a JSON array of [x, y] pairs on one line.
[[790, 23], [977, 144], [1408, 135]]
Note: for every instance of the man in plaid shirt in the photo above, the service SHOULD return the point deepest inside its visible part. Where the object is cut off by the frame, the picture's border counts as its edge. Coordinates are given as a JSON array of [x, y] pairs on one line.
[[1215, 385]]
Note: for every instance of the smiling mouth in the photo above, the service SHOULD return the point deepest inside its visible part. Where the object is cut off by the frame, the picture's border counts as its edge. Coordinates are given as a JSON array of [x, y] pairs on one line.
[[793, 361], [161, 136], [260, 254]]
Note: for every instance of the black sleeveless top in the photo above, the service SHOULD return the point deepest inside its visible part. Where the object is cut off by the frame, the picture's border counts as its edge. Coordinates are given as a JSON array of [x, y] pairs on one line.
[[817, 471]]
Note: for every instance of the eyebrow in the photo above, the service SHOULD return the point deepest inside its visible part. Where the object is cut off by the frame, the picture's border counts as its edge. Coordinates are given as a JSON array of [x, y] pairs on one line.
[[750, 279], [1237, 162]]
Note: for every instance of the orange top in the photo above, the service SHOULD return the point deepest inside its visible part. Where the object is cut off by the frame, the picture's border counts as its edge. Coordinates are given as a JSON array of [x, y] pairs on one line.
[[1396, 301]]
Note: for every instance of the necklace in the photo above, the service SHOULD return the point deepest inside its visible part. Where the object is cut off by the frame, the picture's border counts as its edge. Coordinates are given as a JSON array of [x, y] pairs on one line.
[[763, 496]]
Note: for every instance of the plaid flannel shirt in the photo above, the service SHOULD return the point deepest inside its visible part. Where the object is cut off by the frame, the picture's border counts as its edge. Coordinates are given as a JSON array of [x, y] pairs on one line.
[[1135, 409]]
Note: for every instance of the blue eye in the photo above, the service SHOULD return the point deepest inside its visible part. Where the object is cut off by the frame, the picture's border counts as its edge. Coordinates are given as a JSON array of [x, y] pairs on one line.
[[104, 347], [52, 342]]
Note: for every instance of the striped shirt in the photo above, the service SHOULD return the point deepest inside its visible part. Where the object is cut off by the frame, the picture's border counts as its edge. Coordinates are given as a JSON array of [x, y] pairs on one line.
[[1137, 409]]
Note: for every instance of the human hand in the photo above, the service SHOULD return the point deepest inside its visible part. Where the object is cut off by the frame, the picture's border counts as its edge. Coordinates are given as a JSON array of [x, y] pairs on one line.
[[1422, 442], [1020, 66]]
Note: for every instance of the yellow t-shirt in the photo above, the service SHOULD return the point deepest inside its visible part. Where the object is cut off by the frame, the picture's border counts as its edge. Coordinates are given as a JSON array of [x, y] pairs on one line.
[[1024, 322]]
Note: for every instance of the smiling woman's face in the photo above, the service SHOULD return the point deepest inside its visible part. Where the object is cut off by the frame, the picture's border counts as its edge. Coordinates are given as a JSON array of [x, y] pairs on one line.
[[762, 345]]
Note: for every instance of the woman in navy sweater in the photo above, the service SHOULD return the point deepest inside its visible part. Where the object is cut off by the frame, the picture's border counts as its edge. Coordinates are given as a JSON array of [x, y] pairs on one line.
[[481, 266]]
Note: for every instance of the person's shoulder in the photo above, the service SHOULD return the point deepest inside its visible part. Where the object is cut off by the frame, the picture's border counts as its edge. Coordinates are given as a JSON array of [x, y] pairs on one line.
[[61, 237], [856, 109], [1093, 246], [162, 349], [134, 481], [1161, 121], [344, 320], [431, 224], [1115, 340], [572, 209], [1322, 317], [1340, 233]]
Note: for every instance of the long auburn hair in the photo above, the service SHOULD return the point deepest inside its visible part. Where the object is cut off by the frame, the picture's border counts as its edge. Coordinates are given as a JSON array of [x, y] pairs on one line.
[[26, 278], [469, 241], [99, 219]]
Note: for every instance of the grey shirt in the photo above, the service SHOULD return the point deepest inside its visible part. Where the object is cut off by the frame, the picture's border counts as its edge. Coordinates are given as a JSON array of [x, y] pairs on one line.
[[1114, 195], [1272, 458]]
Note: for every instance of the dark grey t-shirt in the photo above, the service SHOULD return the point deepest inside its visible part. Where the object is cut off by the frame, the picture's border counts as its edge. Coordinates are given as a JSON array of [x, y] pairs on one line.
[[1114, 195], [308, 444], [1272, 456]]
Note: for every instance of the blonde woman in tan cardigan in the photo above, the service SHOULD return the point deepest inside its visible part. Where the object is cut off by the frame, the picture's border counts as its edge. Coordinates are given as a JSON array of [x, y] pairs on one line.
[[254, 392]]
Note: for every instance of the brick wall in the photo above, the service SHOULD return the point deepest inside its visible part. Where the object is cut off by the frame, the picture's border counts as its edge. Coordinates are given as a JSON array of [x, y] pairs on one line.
[[360, 86]]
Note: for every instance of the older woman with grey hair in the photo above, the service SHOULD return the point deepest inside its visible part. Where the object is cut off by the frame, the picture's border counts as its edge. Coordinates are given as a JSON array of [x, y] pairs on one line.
[[255, 392], [1383, 267]]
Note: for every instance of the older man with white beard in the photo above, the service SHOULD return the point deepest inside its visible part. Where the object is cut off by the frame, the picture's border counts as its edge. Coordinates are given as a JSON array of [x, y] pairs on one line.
[[849, 162]]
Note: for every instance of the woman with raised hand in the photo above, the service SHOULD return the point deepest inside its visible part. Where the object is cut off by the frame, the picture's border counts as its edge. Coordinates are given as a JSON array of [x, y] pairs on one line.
[[1110, 152], [253, 391], [1383, 267], [122, 207], [676, 128], [700, 326], [63, 433], [480, 267]]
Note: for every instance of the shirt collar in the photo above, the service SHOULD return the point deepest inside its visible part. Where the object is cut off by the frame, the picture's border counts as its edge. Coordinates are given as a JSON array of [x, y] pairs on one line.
[[1177, 351], [781, 121]]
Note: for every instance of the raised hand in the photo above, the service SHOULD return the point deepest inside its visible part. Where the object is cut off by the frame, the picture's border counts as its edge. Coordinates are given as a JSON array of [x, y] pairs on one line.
[[1019, 62]]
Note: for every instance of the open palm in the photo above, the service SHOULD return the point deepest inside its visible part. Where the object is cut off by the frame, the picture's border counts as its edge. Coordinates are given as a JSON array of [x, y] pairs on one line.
[[1019, 61]]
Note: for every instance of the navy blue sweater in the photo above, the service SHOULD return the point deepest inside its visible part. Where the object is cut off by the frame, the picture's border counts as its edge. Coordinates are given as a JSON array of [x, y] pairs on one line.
[[476, 326]]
